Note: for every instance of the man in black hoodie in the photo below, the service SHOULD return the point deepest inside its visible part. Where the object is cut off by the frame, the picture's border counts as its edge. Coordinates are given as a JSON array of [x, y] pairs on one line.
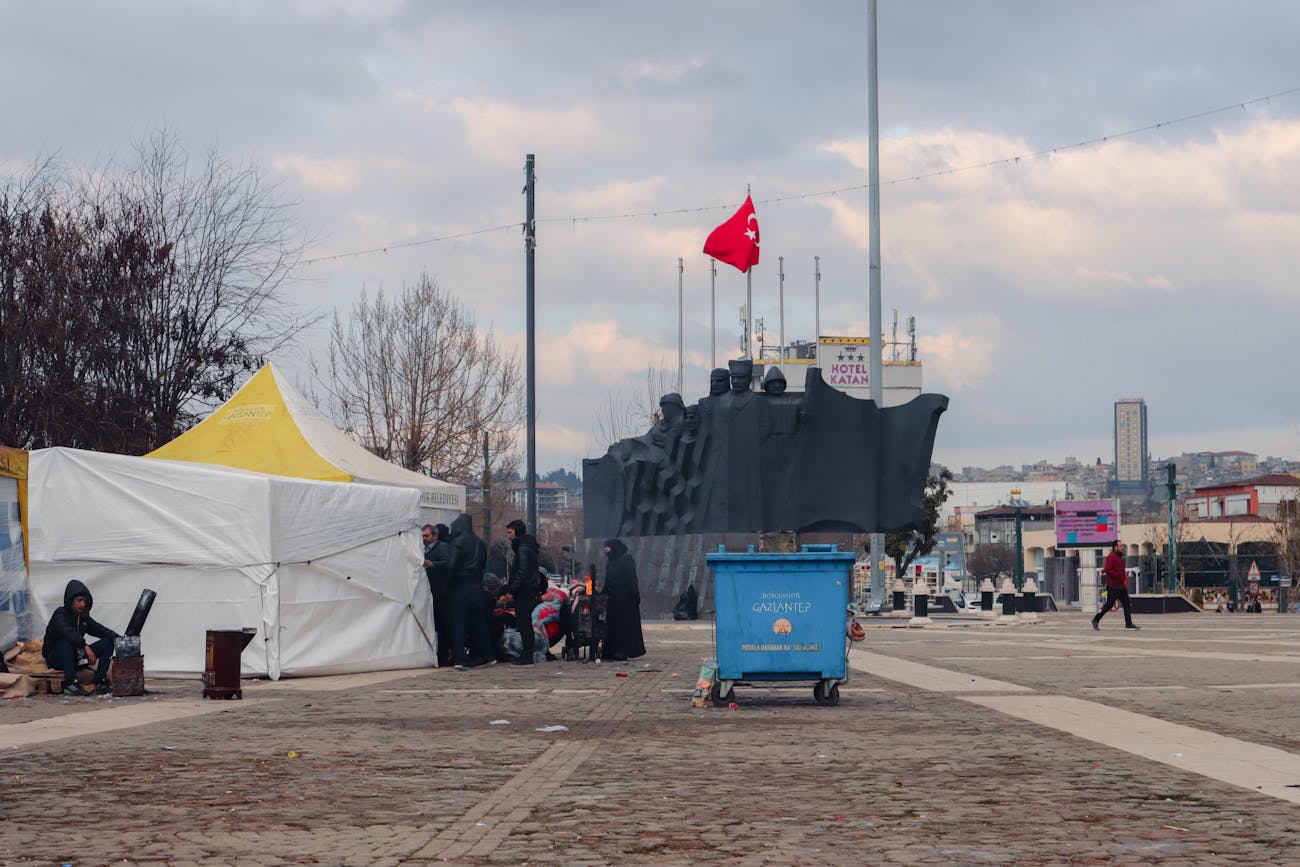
[[469, 616], [523, 584], [65, 640]]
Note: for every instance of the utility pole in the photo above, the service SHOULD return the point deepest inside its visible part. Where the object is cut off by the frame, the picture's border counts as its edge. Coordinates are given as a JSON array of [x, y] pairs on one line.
[[487, 493], [1171, 573], [530, 351]]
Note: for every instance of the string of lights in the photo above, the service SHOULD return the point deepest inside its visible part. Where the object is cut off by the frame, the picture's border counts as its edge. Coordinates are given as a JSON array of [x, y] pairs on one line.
[[401, 244], [938, 173]]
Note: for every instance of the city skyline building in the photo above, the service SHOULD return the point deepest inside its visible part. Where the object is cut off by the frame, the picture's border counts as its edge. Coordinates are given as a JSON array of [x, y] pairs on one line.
[[1131, 457]]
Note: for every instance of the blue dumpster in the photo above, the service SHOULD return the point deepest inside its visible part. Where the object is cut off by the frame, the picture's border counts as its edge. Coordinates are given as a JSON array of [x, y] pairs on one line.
[[782, 617]]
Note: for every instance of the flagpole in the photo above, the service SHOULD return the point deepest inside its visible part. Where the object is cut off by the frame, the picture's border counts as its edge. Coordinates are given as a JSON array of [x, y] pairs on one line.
[[713, 312], [680, 270], [780, 282], [749, 312], [749, 300], [873, 181]]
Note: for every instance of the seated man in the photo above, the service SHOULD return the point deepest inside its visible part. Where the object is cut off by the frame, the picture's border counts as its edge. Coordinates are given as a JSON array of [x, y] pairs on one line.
[[65, 641]]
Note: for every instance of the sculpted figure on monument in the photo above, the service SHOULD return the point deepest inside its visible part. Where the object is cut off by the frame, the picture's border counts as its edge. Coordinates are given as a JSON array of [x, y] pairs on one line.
[[746, 461]]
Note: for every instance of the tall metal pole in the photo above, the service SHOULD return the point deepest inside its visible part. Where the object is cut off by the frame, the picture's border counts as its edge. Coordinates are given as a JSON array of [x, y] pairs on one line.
[[749, 302], [530, 355], [487, 493], [780, 282], [1171, 574], [873, 181], [713, 313], [817, 300], [681, 269], [1020, 551], [749, 313]]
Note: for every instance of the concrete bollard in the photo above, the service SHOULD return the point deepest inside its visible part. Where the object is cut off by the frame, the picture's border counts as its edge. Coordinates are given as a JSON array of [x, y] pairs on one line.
[[986, 598], [1029, 602], [1008, 592], [920, 603], [900, 599]]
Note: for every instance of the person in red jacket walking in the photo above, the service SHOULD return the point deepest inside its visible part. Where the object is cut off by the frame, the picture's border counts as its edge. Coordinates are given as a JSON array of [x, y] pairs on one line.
[[1116, 587]]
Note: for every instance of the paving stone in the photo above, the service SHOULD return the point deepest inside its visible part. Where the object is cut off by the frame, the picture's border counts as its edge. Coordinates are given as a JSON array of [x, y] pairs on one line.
[[896, 772]]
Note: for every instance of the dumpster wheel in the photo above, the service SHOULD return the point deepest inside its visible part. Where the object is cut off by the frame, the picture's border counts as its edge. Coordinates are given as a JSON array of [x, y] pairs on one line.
[[827, 692], [722, 690]]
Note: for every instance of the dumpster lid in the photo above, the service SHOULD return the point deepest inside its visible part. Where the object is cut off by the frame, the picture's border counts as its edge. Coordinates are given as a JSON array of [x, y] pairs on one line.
[[806, 552]]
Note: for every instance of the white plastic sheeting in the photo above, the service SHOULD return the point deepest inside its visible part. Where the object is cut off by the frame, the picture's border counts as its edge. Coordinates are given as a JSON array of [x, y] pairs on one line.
[[14, 624], [329, 573]]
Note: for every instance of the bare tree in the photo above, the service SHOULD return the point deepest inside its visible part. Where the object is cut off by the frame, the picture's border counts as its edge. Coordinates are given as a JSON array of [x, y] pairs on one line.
[[495, 502], [134, 296], [230, 243], [1156, 536], [630, 412], [559, 532], [420, 385], [991, 561], [1286, 537]]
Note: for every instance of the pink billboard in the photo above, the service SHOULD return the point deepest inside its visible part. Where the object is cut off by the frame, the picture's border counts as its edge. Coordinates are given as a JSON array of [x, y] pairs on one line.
[[1086, 523]]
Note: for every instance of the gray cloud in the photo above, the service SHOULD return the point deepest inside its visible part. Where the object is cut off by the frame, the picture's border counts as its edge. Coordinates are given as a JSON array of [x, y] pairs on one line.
[[1159, 265]]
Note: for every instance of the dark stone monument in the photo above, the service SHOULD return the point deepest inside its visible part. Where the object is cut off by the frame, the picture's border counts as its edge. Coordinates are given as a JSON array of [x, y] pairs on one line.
[[746, 461]]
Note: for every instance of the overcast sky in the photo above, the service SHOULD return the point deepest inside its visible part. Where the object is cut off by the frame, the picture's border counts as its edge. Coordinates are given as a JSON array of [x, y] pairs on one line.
[[1160, 265]]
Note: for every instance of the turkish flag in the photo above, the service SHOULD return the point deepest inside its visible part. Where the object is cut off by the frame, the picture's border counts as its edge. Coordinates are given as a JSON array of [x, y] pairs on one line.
[[736, 241]]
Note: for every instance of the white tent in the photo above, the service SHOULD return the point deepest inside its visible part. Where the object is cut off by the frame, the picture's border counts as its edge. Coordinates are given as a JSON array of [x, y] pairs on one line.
[[329, 573]]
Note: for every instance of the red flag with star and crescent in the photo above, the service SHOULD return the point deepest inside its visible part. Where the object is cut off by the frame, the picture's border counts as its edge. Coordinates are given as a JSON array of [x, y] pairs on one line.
[[736, 241]]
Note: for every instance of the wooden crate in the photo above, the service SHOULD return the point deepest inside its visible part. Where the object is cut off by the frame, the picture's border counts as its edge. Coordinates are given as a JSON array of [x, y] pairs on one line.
[[48, 682]]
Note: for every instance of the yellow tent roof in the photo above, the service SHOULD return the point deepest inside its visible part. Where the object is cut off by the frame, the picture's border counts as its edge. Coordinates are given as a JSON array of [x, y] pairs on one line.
[[254, 430], [269, 427]]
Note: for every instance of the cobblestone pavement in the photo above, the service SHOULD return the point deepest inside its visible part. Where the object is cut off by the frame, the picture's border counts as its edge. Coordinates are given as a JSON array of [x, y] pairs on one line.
[[451, 767]]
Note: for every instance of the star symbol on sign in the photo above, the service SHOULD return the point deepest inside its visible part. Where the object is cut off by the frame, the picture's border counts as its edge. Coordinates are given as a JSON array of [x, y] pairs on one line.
[[860, 356], [840, 357]]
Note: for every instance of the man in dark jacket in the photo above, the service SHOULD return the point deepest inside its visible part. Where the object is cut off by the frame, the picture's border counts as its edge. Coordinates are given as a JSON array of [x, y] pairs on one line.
[[1116, 587], [469, 615], [522, 585], [623, 609], [437, 567], [65, 640]]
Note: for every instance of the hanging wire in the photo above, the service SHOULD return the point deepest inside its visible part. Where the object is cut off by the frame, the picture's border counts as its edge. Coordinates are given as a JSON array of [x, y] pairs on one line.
[[655, 214], [403, 244]]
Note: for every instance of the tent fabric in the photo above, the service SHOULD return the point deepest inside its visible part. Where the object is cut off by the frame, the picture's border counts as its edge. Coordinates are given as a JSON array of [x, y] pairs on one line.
[[13, 465], [329, 573], [269, 427], [15, 625]]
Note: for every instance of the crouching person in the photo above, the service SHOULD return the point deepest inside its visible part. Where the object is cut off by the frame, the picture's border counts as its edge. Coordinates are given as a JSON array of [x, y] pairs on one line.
[[65, 640]]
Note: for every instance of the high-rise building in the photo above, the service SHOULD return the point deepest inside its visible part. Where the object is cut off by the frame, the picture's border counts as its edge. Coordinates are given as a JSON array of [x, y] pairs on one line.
[[1131, 447]]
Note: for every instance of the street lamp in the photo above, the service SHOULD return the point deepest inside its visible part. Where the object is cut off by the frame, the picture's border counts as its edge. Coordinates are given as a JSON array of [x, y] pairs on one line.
[[1020, 543]]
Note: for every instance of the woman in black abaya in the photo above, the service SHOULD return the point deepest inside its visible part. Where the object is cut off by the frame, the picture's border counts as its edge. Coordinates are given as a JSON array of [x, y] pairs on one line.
[[623, 612]]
